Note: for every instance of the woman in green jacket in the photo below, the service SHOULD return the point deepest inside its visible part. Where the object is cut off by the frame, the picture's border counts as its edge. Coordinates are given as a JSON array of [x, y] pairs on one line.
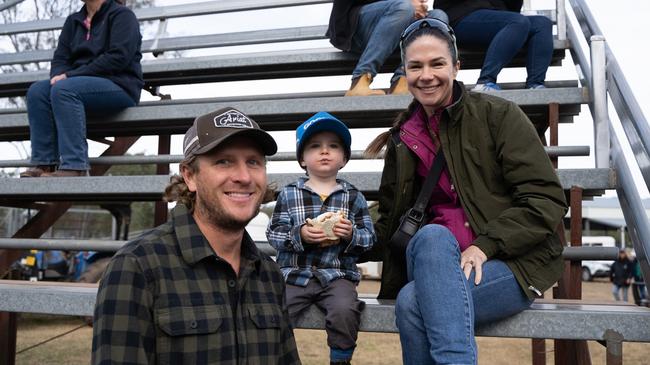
[[489, 245]]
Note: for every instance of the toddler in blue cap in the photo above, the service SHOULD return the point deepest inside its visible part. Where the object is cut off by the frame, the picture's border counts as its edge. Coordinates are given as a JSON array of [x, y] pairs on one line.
[[319, 227]]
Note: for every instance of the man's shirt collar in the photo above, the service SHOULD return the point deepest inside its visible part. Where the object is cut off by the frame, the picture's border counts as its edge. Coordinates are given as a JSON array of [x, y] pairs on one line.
[[195, 247]]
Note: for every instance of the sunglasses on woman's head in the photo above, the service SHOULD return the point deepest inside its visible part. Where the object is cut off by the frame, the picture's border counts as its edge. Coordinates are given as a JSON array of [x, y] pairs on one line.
[[427, 23]]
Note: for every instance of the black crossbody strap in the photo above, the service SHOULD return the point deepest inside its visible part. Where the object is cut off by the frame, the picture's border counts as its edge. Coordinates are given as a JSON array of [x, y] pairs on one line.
[[429, 183]]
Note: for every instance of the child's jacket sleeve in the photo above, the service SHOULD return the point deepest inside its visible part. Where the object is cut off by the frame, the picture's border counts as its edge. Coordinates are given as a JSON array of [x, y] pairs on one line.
[[283, 231]]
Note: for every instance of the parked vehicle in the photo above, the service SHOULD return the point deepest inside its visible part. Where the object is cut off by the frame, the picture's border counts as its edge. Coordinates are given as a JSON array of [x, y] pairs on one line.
[[56, 265], [596, 268]]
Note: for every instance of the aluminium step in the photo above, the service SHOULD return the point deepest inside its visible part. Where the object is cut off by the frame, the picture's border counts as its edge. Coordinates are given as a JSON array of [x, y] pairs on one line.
[[469, 56], [237, 67], [552, 151], [285, 112], [545, 319], [190, 10], [150, 187], [177, 11]]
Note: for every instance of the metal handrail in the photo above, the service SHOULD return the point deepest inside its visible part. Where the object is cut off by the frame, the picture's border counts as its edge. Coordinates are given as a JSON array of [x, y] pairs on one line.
[[637, 132], [634, 212], [629, 112]]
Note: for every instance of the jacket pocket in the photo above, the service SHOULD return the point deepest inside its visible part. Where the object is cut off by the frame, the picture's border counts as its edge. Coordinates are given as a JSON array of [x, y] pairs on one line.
[[265, 334], [184, 332], [184, 321], [265, 315]]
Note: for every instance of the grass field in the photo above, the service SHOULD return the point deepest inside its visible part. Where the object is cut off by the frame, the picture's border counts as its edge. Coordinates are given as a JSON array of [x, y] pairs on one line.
[[373, 348]]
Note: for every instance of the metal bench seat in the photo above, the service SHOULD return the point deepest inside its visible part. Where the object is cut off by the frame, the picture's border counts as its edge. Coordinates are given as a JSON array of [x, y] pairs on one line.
[[151, 187], [545, 319], [285, 112]]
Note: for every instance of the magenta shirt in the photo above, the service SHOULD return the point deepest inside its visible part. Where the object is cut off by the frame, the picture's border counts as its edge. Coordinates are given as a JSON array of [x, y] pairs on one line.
[[444, 205]]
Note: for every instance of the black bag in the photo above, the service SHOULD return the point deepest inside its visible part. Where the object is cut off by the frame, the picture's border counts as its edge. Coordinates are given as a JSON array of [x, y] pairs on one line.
[[414, 218]]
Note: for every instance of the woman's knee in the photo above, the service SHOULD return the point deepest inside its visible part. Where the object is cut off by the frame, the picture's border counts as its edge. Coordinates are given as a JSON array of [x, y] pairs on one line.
[[38, 90], [406, 303], [433, 235], [64, 92], [540, 23], [519, 23]]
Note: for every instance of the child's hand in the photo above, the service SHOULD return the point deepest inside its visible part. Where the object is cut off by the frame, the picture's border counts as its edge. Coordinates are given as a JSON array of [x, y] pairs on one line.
[[343, 229], [312, 235]]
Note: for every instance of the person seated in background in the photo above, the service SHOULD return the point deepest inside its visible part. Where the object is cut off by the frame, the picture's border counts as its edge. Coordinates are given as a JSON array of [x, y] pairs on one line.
[[319, 263], [95, 70], [498, 26], [371, 29]]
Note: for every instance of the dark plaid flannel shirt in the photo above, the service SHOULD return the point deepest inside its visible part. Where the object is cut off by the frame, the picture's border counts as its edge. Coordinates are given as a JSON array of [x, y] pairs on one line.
[[296, 202], [167, 298]]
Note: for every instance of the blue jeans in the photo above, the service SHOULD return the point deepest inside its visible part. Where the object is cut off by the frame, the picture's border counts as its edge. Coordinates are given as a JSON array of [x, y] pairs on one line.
[[622, 289], [379, 28], [504, 33], [57, 117], [437, 310]]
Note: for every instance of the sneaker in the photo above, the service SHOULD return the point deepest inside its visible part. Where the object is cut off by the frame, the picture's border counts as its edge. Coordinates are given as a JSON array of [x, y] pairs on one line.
[[537, 87], [488, 86]]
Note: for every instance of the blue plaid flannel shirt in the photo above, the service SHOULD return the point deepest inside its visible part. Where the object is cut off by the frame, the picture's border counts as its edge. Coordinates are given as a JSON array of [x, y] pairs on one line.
[[299, 263]]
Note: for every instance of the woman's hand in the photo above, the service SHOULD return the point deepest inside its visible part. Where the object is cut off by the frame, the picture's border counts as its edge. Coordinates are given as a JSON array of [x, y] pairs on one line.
[[57, 78], [343, 229], [473, 258], [421, 8]]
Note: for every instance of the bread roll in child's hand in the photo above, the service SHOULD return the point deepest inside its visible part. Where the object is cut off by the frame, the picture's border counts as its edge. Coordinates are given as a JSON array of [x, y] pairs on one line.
[[326, 222]]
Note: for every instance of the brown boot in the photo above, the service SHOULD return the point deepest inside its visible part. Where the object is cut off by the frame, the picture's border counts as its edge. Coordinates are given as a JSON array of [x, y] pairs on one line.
[[66, 173], [399, 87], [37, 171], [361, 87]]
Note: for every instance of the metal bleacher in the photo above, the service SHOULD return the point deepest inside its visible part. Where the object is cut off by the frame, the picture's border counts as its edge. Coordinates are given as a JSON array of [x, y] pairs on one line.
[[566, 318]]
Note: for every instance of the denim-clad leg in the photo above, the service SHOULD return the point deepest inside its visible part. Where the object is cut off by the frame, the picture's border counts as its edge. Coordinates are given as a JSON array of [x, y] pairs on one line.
[[540, 49], [57, 117], [504, 33], [42, 130], [615, 290], [438, 289], [378, 32]]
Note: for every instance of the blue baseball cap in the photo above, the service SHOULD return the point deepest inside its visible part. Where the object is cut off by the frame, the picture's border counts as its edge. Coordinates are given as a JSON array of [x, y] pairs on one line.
[[322, 122]]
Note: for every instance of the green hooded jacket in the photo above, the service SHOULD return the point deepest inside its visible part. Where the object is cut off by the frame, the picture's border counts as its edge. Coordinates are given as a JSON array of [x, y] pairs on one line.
[[506, 184]]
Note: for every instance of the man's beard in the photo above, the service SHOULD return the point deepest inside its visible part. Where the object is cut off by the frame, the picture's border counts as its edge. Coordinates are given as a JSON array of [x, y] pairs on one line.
[[215, 215]]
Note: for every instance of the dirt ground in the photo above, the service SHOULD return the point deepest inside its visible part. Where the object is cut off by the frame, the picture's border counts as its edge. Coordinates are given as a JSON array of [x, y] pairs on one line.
[[373, 348]]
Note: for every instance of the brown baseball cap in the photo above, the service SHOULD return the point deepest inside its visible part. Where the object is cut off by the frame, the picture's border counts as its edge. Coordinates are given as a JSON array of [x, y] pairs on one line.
[[210, 130]]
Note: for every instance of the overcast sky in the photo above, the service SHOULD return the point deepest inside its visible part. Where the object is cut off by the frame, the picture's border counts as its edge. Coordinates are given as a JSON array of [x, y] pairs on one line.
[[623, 23]]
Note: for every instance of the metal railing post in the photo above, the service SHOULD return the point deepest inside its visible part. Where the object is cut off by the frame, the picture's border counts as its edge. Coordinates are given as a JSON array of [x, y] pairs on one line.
[[599, 100], [560, 19]]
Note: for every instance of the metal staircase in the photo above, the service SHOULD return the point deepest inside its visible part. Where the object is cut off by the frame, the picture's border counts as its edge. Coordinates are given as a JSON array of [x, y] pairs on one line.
[[599, 80]]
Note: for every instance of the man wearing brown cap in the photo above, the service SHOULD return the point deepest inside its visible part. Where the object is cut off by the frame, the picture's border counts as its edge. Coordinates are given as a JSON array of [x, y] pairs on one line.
[[196, 290]]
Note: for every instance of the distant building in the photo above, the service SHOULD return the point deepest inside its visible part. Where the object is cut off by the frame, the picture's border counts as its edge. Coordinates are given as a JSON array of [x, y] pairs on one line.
[[603, 216]]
